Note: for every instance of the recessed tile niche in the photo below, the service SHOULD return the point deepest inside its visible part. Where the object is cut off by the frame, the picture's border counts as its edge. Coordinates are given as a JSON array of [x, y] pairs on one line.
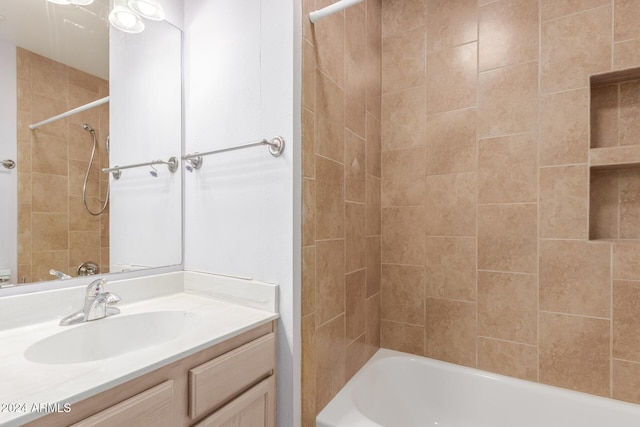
[[614, 210]]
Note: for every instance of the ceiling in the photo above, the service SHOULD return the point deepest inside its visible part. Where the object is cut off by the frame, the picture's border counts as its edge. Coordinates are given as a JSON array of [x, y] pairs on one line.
[[77, 36]]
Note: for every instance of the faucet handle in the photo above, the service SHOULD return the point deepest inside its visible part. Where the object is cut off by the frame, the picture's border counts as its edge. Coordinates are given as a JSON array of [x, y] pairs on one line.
[[95, 288], [111, 298]]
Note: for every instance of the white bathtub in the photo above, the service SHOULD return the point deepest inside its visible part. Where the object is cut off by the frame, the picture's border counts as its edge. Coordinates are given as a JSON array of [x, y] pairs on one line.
[[401, 390]]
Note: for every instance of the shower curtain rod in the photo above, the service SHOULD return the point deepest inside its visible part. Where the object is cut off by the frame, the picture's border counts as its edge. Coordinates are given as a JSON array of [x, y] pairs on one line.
[[71, 112], [331, 9]]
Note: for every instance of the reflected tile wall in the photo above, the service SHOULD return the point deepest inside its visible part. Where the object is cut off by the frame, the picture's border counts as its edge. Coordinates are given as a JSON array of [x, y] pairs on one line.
[[341, 145], [55, 230], [485, 189]]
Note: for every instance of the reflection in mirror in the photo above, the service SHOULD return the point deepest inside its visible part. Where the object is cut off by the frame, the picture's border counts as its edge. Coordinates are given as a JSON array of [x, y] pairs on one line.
[[63, 217], [68, 218], [146, 125]]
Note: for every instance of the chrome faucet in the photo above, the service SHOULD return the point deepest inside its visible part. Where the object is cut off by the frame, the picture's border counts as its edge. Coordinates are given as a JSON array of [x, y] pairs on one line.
[[59, 274], [97, 304]]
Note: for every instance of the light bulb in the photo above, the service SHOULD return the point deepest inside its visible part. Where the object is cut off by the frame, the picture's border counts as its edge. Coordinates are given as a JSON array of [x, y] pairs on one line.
[[150, 9], [147, 9], [125, 19]]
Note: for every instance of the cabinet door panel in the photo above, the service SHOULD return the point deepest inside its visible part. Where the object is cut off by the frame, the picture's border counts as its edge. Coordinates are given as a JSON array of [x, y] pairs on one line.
[[253, 408], [152, 408], [216, 382]]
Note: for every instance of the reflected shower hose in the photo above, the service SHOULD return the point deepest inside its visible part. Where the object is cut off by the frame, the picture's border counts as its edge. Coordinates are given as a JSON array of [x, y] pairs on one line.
[[86, 177]]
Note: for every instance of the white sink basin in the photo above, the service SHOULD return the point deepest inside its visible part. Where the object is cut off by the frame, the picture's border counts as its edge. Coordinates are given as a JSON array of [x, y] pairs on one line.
[[110, 337]]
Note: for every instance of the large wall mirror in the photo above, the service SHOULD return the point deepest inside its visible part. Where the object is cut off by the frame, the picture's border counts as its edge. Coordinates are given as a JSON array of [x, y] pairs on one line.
[[62, 215]]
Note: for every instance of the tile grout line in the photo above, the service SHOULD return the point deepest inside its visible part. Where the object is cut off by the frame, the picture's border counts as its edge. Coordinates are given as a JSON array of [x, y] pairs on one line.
[[635, 362], [478, 172], [539, 144], [487, 337], [613, 33], [503, 67], [425, 344], [345, 132], [557, 18], [505, 135], [611, 321], [618, 173], [585, 316], [367, 142]]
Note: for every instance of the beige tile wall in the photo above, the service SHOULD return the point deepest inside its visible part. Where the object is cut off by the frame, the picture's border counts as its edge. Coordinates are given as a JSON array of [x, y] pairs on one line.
[[341, 159], [55, 231], [485, 250]]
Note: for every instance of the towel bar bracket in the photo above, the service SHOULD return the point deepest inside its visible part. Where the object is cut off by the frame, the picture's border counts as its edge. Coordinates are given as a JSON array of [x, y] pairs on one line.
[[276, 146], [8, 164]]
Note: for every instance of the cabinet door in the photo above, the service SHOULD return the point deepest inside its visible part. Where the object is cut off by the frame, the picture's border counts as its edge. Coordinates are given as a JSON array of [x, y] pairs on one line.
[[216, 382], [152, 408], [253, 408]]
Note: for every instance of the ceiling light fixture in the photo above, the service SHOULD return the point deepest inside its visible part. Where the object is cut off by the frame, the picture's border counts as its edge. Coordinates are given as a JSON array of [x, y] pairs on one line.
[[127, 14], [150, 9], [125, 19]]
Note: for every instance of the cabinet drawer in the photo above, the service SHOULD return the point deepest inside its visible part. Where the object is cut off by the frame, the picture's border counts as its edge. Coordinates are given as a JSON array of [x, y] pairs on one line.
[[153, 408], [223, 378], [253, 408]]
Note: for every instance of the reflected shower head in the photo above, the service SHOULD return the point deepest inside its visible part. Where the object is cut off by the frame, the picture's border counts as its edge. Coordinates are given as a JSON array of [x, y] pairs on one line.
[[85, 126]]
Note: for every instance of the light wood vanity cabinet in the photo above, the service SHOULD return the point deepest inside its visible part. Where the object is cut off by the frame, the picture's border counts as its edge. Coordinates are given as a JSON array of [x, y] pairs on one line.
[[215, 382], [153, 407], [255, 407], [231, 384]]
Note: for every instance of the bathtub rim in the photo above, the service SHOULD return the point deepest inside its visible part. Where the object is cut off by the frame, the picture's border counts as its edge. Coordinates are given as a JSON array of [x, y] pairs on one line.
[[341, 409]]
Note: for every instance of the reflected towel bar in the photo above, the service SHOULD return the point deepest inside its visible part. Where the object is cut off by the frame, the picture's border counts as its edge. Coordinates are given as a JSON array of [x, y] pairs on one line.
[[116, 171], [71, 112], [276, 147]]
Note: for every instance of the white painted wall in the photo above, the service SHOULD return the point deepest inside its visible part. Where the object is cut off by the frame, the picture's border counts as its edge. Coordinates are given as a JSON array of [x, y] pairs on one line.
[[8, 150], [146, 125], [241, 208], [174, 12]]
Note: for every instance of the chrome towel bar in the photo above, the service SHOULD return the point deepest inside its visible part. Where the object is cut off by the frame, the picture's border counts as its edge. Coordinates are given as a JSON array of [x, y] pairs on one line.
[[116, 171], [276, 147]]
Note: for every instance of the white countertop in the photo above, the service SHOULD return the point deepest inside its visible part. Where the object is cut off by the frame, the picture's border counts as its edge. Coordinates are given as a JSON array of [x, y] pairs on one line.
[[24, 383]]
